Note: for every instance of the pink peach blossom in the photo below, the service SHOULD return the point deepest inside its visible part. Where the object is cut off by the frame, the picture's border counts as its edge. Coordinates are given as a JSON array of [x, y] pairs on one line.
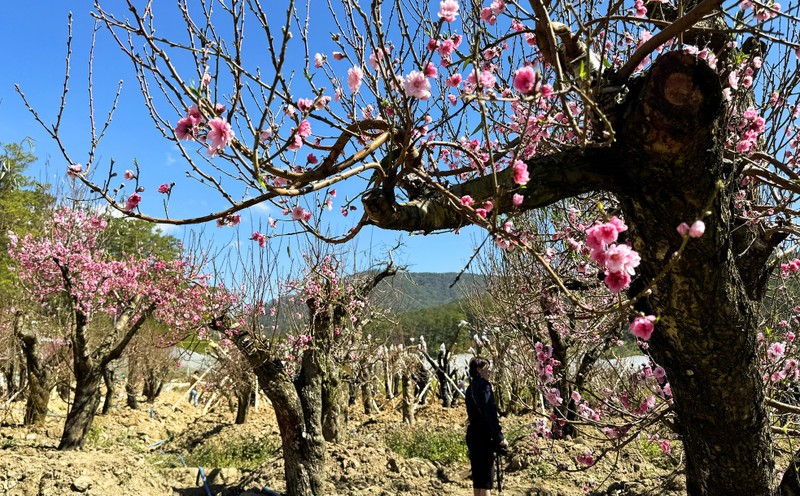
[[526, 81], [697, 229], [417, 85], [616, 281], [521, 176], [448, 10], [220, 134], [133, 201], [354, 77], [642, 327], [74, 169]]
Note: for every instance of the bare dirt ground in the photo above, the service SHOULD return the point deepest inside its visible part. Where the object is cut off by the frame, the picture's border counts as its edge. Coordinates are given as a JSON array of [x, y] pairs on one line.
[[130, 453]]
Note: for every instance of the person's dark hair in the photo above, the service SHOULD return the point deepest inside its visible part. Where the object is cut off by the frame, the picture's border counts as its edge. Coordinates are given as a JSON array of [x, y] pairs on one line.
[[475, 364]]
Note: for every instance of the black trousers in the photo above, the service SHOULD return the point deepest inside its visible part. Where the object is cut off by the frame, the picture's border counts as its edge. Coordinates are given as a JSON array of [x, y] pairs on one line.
[[481, 459]]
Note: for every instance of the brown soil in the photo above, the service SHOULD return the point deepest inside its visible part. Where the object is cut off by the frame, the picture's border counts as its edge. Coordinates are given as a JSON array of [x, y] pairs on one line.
[[122, 457]]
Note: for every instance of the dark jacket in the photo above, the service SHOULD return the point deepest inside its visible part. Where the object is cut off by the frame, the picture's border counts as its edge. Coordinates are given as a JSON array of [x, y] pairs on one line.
[[483, 426]]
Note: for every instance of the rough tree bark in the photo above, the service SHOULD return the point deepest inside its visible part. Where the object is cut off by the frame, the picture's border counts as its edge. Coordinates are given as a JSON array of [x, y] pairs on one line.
[[88, 367], [131, 386], [153, 383], [244, 392], [409, 398], [108, 380], [301, 438], [40, 380], [667, 167]]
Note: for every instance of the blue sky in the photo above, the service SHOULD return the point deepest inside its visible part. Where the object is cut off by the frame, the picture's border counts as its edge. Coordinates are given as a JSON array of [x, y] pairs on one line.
[[35, 33]]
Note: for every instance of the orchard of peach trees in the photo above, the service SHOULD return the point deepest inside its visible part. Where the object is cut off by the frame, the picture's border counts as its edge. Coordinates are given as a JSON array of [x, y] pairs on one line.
[[630, 169]]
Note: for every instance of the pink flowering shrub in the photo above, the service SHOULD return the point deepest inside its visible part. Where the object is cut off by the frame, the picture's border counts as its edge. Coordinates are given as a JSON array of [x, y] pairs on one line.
[[70, 262]]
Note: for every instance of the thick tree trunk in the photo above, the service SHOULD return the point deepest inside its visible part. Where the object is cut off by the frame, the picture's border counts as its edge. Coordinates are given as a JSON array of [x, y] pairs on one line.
[[790, 483], [131, 387], [352, 393], [443, 371], [705, 337], [243, 394], [39, 378], [334, 405], [9, 375], [309, 388], [367, 398], [84, 407], [303, 453], [63, 388], [152, 387], [108, 380]]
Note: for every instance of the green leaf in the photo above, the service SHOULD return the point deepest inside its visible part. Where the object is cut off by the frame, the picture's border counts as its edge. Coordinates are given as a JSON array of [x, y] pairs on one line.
[[480, 126]]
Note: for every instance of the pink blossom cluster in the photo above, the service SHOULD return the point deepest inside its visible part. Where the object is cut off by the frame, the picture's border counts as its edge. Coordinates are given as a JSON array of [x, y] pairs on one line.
[[619, 260], [260, 238], [69, 262], [229, 220], [445, 47], [780, 367], [303, 131], [697, 229], [762, 12], [642, 327], [489, 14], [296, 345], [790, 268], [448, 10], [749, 128], [218, 131], [586, 458]]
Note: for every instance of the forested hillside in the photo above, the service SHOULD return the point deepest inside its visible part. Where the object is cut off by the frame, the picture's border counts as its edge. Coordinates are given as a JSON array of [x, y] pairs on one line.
[[417, 290], [424, 304]]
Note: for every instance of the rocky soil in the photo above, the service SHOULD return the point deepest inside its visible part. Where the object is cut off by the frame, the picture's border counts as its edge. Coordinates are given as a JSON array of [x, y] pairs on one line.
[[130, 453]]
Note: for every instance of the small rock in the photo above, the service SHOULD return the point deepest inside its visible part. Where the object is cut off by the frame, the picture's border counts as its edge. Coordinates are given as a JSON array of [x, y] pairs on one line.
[[31, 437], [82, 483]]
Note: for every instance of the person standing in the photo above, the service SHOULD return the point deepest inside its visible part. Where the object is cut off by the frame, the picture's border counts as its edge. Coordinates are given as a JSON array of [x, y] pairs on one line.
[[484, 434]]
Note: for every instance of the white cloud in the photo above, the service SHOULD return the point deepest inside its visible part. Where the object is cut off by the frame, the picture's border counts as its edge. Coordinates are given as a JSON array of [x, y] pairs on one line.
[[170, 159], [263, 208], [172, 229]]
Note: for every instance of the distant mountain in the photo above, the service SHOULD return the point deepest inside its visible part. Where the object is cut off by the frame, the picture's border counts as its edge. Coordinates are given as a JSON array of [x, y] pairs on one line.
[[419, 303], [411, 291], [424, 304]]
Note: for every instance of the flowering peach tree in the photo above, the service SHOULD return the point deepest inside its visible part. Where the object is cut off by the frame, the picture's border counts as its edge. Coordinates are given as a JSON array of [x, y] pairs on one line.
[[112, 296]]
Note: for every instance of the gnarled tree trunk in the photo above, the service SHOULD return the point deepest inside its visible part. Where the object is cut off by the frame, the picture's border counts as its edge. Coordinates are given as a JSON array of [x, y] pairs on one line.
[[297, 408], [131, 385], [108, 380], [88, 367], [244, 392], [409, 398], [39, 376], [84, 406], [334, 405]]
